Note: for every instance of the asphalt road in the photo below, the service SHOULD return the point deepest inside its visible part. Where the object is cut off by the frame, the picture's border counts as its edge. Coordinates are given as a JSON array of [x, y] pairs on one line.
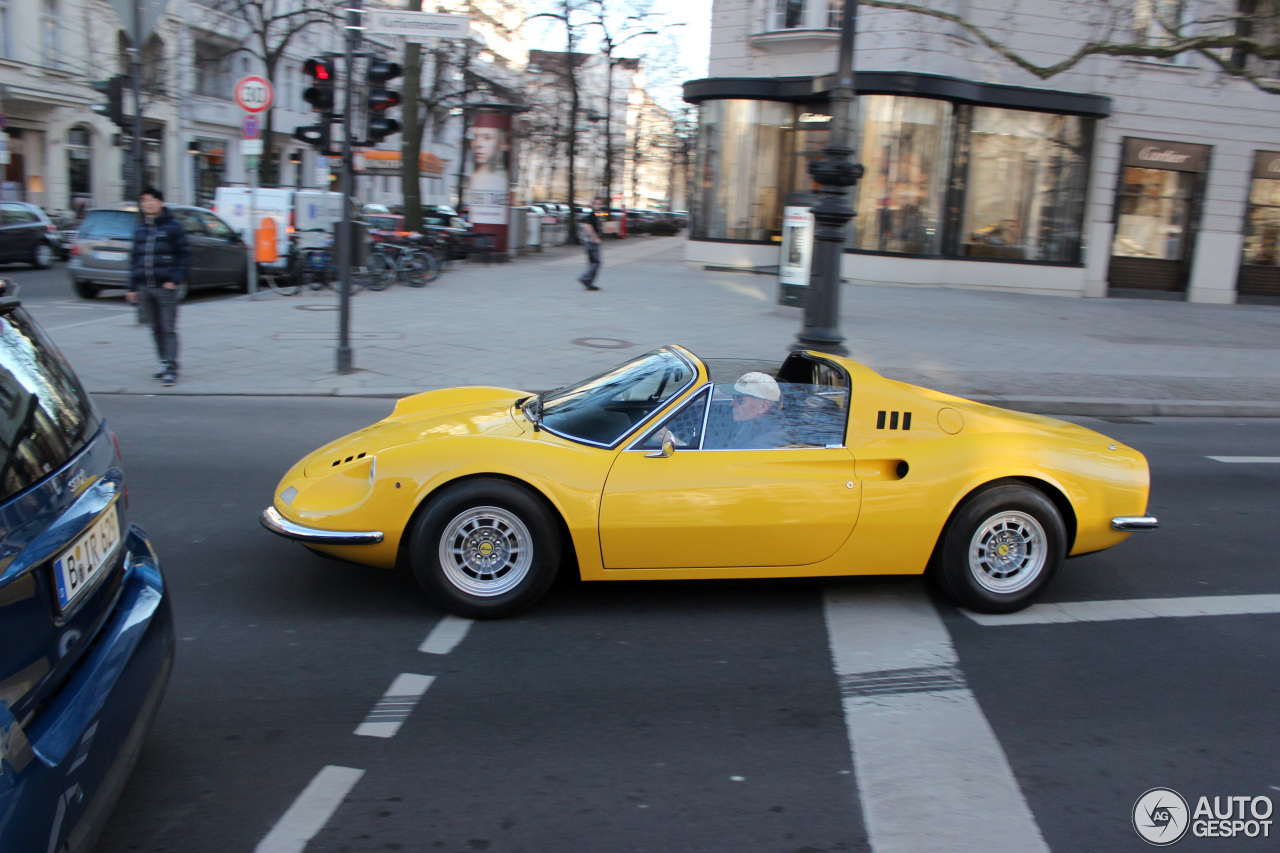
[[666, 716]]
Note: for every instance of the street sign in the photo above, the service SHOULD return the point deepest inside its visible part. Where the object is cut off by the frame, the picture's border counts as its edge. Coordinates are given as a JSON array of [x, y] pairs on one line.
[[253, 94], [251, 126], [416, 26], [250, 147]]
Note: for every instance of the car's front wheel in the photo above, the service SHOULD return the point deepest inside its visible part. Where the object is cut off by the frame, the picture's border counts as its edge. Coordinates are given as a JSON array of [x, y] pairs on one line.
[[1001, 548], [485, 549]]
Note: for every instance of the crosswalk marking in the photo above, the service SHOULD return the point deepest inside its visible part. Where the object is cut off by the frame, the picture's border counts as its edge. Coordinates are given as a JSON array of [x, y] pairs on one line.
[[310, 811], [1137, 608], [446, 635], [1244, 460], [930, 773], [395, 706]]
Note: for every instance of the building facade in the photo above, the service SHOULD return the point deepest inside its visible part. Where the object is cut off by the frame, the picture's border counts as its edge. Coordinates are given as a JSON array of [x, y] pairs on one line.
[[1118, 177]]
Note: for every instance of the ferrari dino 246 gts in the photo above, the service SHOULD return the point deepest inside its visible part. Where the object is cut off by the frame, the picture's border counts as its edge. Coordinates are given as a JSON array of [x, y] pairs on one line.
[[669, 466]]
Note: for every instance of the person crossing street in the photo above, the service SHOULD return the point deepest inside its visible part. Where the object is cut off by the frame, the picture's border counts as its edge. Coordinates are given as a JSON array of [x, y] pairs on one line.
[[589, 232], [160, 263]]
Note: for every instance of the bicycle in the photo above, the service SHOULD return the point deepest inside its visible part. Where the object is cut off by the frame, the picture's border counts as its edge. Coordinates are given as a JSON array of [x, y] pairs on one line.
[[312, 265], [409, 264]]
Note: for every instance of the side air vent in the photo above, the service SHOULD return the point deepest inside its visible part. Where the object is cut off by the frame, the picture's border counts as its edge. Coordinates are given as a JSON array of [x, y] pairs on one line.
[[356, 458], [893, 420]]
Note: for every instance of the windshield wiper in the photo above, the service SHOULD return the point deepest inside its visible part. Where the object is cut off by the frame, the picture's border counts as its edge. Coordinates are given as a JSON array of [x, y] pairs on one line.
[[531, 407]]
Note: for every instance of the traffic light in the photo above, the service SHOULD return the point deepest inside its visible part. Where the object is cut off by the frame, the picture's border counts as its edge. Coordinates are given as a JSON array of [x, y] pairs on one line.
[[320, 94], [114, 107], [379, 100]]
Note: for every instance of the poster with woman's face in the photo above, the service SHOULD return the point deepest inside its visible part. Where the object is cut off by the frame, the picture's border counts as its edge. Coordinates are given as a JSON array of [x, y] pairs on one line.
[[490, 169]]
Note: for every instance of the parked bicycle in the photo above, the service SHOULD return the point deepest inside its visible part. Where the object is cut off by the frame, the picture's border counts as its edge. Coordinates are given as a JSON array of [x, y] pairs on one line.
[[312, 265], [408, 262]]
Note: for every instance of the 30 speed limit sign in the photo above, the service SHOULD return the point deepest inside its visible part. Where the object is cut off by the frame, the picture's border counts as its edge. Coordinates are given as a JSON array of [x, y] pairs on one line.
[[254, 94]]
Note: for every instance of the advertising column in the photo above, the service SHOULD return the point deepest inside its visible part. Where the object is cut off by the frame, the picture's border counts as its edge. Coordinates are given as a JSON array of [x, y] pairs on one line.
[[492, 173]]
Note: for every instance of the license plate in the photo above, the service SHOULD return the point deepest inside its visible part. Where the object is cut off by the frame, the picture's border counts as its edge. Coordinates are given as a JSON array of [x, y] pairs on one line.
[[76, 568], [100, 255]]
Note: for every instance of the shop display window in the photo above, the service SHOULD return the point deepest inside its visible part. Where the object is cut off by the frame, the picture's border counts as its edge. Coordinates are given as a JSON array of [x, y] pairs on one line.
[[1262, 225], [905, 151], [740, 168], [1025, 187], [1155, 206]]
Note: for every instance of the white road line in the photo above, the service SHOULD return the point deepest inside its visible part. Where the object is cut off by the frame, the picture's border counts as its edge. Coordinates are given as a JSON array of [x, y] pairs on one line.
[[1137, 608], [446, 635], [311, 811], [930, 773], [1245, 460], [395, 706], [81, 323]]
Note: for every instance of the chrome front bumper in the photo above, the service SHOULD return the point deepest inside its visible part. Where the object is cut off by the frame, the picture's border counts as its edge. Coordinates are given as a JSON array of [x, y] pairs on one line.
[[1134, 522], [280, 525]]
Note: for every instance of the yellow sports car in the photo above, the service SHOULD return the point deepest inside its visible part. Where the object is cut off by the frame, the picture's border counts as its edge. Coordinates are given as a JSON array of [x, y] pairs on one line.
[[671, 466]]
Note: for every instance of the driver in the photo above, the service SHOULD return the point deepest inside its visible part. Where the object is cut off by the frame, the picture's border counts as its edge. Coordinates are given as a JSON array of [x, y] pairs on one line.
[[757, 425]]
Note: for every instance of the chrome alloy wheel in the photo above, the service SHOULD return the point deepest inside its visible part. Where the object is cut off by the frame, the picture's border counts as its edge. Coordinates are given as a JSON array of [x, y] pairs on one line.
[[1008, 552], [486, 551]]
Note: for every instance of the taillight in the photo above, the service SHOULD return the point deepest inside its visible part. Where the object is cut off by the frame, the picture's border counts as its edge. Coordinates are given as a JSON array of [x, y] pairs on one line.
[[116, 442], [75, 248], [51, 228]]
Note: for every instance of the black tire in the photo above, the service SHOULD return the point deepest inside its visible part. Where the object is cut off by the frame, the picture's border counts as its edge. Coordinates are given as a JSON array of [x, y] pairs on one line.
[[382, 272], [1001, 548], [85, 289], [496, 525], [419, 268], [43, 256]]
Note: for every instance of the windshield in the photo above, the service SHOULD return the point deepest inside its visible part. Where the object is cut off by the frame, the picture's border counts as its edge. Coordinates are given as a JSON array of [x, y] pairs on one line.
[[604, 408]]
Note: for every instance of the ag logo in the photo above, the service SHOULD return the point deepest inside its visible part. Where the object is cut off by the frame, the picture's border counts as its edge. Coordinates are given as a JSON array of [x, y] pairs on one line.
[[1161, 817]]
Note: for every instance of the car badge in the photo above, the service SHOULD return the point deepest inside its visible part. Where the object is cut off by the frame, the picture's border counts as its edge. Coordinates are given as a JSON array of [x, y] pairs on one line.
[[77, 482]]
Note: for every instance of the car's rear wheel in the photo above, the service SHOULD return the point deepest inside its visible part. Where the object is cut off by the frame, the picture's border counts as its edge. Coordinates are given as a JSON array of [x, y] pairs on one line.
[[485, 549], [85, 289], [1001, 548], [42, 258]]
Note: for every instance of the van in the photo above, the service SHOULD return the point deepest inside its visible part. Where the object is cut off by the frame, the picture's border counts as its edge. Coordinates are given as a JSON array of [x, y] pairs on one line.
[[290, 209]]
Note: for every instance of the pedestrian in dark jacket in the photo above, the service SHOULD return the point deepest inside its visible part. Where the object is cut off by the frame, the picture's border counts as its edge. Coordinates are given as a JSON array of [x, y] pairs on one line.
[[589, 232], [161, 261]]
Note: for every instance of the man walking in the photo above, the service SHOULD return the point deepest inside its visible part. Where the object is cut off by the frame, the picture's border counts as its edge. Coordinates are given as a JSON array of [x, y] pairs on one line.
[[161, 259], [589, 232]]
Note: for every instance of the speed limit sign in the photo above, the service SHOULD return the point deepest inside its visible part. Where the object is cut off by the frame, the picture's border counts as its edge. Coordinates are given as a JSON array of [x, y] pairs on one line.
[[254, 94]]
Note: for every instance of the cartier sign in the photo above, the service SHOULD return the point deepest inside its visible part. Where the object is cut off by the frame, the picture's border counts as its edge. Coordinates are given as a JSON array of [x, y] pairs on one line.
[[1157, 154]]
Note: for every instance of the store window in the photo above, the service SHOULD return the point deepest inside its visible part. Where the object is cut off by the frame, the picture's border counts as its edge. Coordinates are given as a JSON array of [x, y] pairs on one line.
[[1260, 264], [742, 162], [905, 151], [1154, 211], [211, 169], [1025, 186]]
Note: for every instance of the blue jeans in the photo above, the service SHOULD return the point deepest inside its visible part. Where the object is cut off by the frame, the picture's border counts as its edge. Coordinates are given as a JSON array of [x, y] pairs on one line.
[[593, 263], [160, 307]]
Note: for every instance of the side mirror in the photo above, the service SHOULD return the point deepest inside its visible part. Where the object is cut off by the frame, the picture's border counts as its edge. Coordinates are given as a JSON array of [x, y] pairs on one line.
[[668, 448]]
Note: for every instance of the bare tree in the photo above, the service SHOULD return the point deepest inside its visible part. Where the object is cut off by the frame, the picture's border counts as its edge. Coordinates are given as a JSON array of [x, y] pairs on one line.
[[1241, 38], [273, 25]]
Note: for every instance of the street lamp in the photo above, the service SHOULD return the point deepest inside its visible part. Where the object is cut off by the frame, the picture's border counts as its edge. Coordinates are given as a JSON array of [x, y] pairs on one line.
[[834, 173]]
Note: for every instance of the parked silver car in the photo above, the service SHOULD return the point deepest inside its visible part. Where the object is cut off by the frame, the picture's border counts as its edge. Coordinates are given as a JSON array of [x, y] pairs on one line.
[[27, 235], [100, 257]]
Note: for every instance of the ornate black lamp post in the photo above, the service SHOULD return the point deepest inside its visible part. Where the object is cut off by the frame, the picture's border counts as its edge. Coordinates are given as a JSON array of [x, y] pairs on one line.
[[835, 173]]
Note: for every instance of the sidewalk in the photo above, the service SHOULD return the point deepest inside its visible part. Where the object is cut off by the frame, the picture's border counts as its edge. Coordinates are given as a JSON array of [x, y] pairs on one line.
[[528, 324]]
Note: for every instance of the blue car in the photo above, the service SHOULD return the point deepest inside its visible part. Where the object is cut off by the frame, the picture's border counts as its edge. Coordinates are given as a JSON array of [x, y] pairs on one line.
[[86, 632]]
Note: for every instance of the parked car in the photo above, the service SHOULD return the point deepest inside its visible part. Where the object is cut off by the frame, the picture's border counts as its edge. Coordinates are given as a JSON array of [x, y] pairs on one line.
[[27, 235], [451, 227], [86, 631], [638, 473], [100, 257]]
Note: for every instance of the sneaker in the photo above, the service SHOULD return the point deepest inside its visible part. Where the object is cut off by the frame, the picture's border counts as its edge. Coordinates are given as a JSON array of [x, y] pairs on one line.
[[159, 374], [168, 379], [589, 286]]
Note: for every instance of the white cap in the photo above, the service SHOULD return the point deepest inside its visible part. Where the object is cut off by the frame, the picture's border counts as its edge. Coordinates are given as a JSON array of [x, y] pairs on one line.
[[756, 384]]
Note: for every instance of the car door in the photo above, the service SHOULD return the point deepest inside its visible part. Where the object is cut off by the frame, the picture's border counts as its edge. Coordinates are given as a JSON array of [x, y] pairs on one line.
[[703, 508], [17, 232], [227, 254]]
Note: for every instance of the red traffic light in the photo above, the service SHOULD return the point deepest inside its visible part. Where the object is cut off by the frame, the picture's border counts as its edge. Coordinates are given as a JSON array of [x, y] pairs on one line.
[[381, 100], [319, 69]]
